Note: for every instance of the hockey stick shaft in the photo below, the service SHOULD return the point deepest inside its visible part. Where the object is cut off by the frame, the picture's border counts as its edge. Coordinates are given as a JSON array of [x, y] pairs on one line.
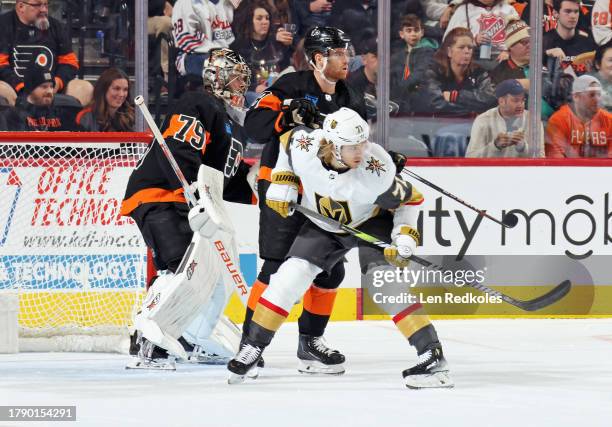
[[140, 103], [545, 300], [452, 196]]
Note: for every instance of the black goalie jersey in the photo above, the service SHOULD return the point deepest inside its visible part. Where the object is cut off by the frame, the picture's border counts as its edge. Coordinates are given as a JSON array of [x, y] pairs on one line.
[[198, 131]]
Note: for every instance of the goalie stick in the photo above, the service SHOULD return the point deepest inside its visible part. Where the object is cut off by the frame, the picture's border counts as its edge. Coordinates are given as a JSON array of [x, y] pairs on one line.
[[542, 301], [207, 199]]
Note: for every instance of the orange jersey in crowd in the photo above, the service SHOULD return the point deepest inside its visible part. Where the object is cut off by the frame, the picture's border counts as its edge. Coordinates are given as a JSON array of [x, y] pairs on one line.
[[568, 136]]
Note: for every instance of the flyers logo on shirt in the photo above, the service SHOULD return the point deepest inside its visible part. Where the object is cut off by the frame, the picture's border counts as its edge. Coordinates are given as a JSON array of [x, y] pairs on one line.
[[493, 26], [23, 56]]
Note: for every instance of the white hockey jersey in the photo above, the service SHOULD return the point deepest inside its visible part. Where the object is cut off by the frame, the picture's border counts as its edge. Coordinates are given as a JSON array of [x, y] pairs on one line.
[[601, 18], [201, 25], [353, 196]]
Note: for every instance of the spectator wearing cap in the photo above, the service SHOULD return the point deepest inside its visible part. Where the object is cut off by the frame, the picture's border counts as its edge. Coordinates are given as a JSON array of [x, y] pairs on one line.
[[582, 128], [408, 66], [500, 131], [519, 48], [364, 78], [517, 65], [39, 108]]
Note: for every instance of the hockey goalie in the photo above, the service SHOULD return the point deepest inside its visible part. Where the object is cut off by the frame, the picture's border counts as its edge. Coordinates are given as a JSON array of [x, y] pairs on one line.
[[181, 315]]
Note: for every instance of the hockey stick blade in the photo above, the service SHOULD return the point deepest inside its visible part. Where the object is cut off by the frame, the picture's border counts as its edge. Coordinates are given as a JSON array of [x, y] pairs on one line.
[[538, 303]]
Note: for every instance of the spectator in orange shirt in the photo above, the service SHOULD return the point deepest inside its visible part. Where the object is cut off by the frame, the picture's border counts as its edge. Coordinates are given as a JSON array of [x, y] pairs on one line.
[[582, 129]]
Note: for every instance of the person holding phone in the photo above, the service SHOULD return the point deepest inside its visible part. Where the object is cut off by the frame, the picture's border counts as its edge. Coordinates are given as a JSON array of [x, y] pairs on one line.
[[501, 131]]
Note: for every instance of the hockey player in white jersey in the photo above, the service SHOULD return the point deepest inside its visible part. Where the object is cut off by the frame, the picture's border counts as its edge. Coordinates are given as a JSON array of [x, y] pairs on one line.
[[198, 26], [354, 181]]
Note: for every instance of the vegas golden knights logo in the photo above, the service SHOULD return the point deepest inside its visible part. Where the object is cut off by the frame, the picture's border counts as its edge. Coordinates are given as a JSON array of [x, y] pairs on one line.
[[338, 210]]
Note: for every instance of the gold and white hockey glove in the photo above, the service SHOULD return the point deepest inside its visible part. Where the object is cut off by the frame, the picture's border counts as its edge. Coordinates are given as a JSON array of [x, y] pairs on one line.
[[282, 192], [404, 245]]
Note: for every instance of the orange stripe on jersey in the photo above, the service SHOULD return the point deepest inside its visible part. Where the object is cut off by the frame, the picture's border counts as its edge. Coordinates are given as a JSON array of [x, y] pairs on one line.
[[19, 86], [69, 59], [59, 83], [81, 113], [270, 101], [265, 173], [319, 301], [256, 290], [4, 60], [277, 124], [174, 126], [150, 195]]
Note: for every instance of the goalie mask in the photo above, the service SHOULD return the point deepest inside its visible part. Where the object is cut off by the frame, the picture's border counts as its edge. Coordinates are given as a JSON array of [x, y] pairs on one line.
[[344, 128], [227, 75]]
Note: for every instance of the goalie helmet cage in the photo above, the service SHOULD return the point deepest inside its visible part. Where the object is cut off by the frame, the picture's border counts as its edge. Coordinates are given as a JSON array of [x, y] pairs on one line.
[[78, 268]]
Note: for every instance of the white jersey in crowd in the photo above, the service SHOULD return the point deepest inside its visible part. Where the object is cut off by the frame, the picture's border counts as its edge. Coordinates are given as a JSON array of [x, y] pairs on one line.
[[349, 196], [201, 25], [602, 21], [491, 21]]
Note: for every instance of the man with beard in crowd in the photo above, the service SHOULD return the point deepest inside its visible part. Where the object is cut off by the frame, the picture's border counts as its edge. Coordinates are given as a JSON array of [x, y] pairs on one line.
[[29, 35]]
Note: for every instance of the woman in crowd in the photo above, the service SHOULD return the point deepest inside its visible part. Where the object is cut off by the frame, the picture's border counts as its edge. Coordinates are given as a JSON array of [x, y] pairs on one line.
[[486, 19], [111, 109], [603, 65], [265, 49], [454, 83]]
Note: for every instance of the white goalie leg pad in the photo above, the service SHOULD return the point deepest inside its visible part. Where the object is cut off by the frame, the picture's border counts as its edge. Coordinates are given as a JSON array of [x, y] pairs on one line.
[[210, 188], [212, 331], [175, 300], [290, 282]]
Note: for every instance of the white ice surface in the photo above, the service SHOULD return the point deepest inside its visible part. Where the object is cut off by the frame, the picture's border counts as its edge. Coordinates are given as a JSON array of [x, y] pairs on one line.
[[518, 373]]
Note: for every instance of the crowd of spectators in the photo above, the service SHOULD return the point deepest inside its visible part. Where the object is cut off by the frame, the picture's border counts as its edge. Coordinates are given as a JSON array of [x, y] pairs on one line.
[[468, 60]]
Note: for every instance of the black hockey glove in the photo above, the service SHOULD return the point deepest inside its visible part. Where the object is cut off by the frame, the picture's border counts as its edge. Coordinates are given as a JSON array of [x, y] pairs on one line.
[[298, 112], [399, 160]]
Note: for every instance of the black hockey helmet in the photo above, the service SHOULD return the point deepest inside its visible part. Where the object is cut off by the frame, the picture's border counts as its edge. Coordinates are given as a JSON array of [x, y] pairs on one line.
[[322, 39]]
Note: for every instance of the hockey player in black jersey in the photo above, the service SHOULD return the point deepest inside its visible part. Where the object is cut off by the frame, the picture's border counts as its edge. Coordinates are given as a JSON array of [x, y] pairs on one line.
[[295, 99], [200, 129]]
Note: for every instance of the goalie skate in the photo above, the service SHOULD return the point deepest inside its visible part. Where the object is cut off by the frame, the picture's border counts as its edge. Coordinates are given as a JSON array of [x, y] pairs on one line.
[[244, 364], [431, 371], [315, 357], [151, 357]]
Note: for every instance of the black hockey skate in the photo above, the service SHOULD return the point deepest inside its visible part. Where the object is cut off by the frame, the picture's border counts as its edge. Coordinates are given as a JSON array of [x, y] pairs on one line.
[[244, 363], [315, 357], [148, 355], [431, 371]]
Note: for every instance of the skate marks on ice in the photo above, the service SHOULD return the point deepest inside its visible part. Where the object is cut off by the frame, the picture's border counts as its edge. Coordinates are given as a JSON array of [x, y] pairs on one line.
[[534, 372]]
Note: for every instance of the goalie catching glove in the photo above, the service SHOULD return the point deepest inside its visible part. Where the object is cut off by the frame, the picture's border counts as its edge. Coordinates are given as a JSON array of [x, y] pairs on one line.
[[404, 246], [282, 192]]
